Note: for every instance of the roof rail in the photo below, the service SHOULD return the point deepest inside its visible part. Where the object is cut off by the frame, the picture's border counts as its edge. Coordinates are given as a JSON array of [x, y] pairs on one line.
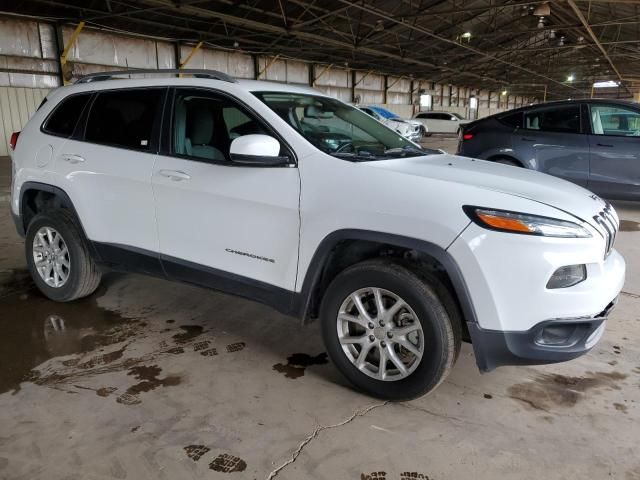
[[211, 74]]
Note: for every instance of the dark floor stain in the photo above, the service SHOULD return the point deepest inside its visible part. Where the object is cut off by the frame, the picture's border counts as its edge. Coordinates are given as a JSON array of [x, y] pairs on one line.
[[211, 352], [227, 464], [195, 452], [298, 363], [148, 374], [373, 476], [613, 363], [621, 407], [235, 347], [176, 350], [411, 475], [201, 345], [105, 391], [189, 332], [128, 399], [549, 390], [34, 329], [488, 396], [629, 226], [135, 429], [171, 321], [103, 359]]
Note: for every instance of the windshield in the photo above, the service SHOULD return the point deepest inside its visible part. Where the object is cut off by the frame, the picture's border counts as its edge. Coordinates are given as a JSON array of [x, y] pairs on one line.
[[339, 129]]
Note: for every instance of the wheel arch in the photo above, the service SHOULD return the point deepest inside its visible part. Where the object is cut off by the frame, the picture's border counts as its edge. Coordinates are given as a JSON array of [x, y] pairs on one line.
[[36, 197], [358, 245], [502, 156]]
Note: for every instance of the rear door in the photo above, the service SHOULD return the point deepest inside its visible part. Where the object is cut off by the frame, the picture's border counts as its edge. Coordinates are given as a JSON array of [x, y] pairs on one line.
[[552, 137], [106, 168], [614, 141]]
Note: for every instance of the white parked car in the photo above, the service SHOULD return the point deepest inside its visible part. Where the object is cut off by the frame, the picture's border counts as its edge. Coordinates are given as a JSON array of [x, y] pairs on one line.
[[441, 122], [411, 129], [286, 196]]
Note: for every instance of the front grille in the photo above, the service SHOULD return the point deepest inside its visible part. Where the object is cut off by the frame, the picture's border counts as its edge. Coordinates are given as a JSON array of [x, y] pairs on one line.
[[606, 220]]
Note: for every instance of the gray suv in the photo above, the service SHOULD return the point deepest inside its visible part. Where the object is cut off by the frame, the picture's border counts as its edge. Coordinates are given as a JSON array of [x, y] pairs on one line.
[[594, 143]]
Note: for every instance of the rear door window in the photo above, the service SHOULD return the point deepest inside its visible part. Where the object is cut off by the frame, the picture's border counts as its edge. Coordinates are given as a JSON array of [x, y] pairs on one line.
[[513, 120], [125, 118], [615, 121], [561, 119], [62, 122]]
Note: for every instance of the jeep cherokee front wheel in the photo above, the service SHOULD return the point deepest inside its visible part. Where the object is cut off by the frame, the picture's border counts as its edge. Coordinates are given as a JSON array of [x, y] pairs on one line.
[[58, 257], [389, 331]]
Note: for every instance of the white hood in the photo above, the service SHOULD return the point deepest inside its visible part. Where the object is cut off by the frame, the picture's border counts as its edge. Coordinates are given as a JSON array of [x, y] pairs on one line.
[[517, 181]]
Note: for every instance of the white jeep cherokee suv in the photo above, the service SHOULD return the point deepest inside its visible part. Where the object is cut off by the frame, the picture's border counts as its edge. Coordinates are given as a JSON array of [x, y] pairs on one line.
[[283, 195]]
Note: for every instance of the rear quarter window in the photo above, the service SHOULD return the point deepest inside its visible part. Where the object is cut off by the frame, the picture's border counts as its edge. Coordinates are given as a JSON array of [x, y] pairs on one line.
[[512, 120], [64, 118]]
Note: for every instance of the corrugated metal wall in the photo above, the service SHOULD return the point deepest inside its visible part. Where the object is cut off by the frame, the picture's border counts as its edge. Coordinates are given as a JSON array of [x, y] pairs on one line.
[[29, 46], [16, 107]]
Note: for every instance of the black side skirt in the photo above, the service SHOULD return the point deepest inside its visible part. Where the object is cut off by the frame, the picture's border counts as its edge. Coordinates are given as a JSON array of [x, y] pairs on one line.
[[136, 260]]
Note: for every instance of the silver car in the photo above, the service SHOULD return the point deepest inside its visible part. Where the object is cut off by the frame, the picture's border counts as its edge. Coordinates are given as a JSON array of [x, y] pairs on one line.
[[594, 143]]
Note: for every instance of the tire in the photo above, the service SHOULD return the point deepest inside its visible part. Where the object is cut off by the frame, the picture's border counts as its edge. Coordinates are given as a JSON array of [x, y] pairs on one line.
[[82, 273], [428, 303], [508, 161]]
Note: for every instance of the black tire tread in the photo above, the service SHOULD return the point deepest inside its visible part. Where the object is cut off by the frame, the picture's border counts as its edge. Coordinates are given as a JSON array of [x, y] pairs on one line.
[[431, 289], [89, 274]]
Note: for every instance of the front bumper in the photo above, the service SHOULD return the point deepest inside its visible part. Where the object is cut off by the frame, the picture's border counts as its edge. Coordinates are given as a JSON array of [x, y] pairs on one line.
[[575, 337], [506, 276]]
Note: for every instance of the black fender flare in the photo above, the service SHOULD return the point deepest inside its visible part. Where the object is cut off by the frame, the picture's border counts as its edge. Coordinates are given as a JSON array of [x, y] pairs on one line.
[[321, 256], [65, 202]]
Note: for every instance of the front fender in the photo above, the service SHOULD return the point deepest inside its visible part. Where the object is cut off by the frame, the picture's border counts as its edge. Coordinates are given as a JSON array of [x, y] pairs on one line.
[[322, 256]]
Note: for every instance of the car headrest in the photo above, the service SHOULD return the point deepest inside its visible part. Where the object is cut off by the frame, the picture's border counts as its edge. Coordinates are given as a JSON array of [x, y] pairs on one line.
[[201, 126]]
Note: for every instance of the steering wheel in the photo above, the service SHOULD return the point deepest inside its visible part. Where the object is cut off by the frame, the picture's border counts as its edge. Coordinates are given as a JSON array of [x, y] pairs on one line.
[[343, 148]]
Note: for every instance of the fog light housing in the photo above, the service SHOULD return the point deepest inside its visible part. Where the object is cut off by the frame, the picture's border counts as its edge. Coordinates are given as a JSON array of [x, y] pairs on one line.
[[557, 335], [567, 276]]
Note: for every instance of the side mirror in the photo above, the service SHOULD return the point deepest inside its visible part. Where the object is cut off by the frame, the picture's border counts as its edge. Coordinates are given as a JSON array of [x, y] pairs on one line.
[[257, 150]]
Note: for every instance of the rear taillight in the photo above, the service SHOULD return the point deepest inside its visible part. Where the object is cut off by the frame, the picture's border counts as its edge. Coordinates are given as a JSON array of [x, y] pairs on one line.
[[14, 140], [467, 136]]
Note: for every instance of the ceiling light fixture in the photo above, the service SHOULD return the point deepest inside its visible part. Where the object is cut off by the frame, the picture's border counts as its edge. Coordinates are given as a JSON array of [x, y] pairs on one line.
[[606, 84], [571, 77]]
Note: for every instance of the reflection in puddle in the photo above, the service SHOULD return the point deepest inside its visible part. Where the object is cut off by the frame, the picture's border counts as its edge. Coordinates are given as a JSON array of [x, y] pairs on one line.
[[34, 329]]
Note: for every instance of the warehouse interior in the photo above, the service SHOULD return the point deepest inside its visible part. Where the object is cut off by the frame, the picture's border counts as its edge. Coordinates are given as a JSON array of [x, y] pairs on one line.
[[151, 379]]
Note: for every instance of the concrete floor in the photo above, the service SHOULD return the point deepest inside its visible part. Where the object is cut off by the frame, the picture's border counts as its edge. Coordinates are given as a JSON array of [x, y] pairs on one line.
[[152, 380]]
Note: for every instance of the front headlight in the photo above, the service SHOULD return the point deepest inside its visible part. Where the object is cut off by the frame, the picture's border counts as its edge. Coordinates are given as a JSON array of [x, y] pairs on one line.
[[513, 222]]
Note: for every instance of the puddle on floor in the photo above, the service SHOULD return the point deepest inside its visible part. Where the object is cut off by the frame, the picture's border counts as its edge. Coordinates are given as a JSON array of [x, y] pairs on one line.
[[298, 363], [34, 329]]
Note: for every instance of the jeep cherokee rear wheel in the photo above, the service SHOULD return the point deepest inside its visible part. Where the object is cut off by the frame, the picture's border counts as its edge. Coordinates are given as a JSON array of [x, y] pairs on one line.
[[388, 330], [58, 257]]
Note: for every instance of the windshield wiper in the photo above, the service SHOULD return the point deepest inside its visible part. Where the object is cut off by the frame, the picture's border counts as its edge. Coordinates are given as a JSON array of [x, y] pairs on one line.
[[408, 149]]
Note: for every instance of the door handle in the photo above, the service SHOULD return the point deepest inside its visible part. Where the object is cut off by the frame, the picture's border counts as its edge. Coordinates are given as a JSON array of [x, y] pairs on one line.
[[175, 175], [72, 158], [604, 145], [526, 139]]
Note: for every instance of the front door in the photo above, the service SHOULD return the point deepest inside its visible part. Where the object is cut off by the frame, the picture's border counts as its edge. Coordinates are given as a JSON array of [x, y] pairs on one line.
[[222, 224], [615, 151]]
